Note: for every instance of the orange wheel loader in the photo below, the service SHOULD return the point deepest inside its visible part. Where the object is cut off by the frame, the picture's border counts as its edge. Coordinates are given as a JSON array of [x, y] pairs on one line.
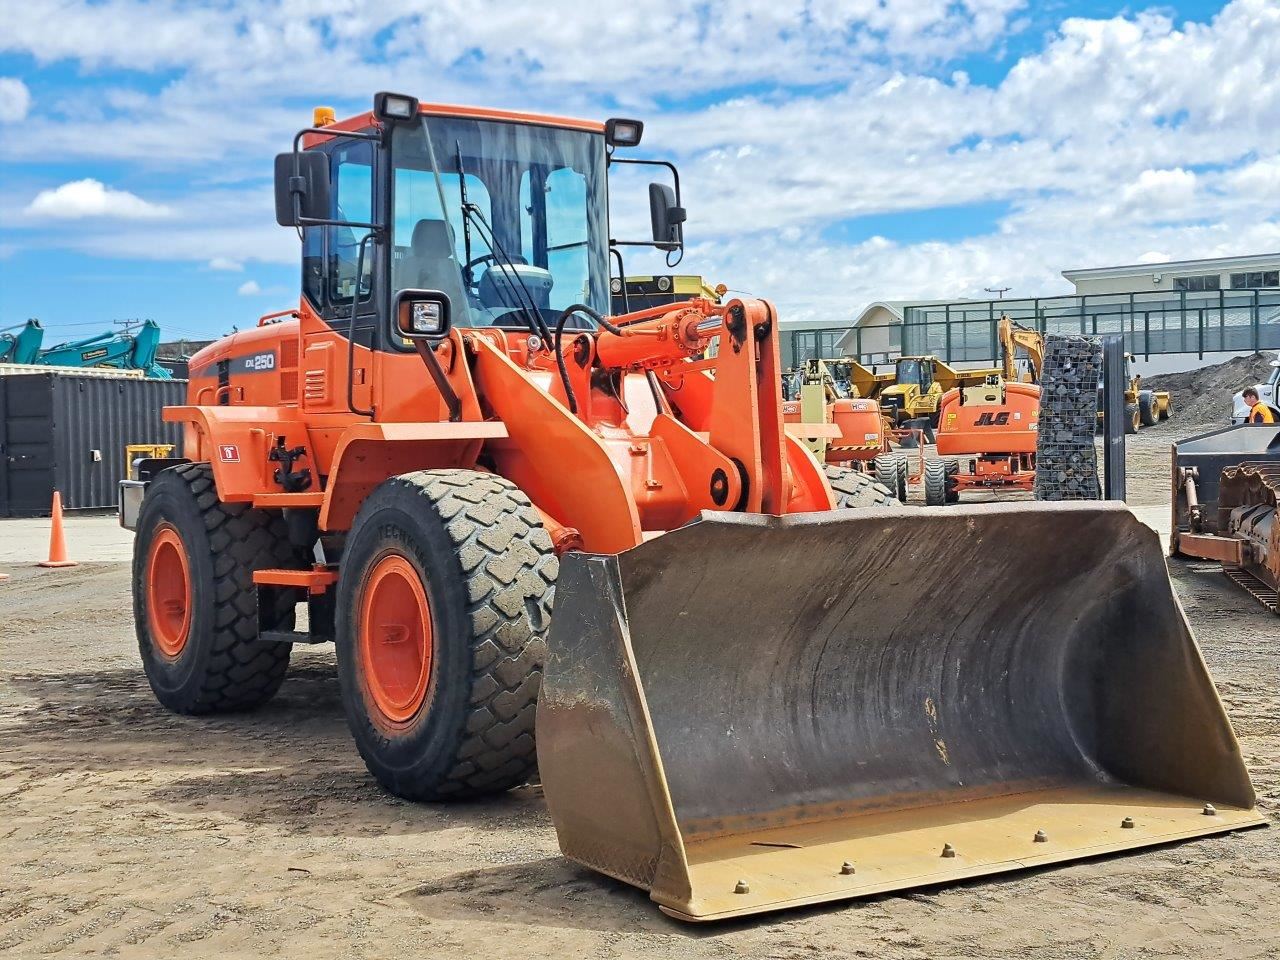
[[731, 710]]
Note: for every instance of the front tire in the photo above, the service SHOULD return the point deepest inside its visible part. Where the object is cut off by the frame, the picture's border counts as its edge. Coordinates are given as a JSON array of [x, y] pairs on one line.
[[1132, 418], [194, 602], [935, 482], [443, 604], [953, 487], [1146, 410], [886, 472]]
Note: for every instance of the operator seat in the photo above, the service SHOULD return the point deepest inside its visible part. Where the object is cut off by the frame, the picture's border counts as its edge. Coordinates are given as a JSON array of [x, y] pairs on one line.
[[430, 265]]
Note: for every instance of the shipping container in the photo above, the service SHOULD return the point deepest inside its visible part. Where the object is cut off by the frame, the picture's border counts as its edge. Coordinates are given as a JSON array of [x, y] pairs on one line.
[[69, 432]]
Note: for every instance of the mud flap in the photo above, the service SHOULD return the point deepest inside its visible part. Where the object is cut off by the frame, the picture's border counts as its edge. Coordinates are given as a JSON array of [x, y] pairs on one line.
[[751, 713]]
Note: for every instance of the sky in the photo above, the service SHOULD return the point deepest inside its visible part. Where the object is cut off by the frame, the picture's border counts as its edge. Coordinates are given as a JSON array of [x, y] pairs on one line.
[[832, 152]]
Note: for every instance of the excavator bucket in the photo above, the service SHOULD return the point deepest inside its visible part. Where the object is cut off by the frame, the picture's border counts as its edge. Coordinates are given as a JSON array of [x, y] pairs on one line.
[[752, 713]]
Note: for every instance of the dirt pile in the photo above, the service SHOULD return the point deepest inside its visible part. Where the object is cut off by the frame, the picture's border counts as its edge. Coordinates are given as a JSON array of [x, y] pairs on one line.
[[1203, 396]]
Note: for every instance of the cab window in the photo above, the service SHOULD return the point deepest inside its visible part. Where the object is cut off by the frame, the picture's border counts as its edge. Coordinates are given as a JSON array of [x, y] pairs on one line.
[[352, 171]]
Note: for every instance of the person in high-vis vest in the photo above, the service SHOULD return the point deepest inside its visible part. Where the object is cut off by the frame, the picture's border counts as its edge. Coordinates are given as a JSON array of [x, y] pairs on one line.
[[1259, 412]]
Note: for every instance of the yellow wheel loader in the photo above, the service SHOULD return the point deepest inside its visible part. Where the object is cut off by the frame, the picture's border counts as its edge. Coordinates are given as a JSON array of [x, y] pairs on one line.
[[1143, 407], [528, 525], [918, 387]]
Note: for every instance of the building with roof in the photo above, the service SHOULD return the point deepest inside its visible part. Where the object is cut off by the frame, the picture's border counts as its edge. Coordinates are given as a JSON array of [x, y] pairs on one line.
[[1219, 273], [1221, 305]]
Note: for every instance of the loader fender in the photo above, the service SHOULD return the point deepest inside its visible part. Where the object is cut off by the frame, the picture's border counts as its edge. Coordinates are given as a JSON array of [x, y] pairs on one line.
[[738, 716]]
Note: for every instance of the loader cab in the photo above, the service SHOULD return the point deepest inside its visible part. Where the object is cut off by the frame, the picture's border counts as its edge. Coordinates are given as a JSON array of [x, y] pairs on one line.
[[915, 371], [505, 214]]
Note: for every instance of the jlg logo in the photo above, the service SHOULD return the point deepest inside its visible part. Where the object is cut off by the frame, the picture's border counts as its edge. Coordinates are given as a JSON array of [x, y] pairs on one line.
[[992, 419]]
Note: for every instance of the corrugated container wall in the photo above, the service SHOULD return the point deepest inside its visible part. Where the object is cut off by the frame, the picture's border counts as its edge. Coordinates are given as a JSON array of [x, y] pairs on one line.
[[70, 432]]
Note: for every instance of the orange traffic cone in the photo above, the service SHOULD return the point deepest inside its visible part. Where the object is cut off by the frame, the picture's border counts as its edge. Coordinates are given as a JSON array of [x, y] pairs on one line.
[[57, 541]]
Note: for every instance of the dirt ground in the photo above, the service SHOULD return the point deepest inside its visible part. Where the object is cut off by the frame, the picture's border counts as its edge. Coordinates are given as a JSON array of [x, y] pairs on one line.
[[127, 831]]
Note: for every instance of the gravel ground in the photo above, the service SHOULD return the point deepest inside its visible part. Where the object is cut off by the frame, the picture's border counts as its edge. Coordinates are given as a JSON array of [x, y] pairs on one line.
[[128, 831]]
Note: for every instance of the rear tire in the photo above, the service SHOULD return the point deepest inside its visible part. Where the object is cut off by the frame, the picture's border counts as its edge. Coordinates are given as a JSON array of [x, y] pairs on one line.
[[1166, 410], [194, 602], [443, 605], [903, 479], [1146, 409], [856, 490], [935, 482]]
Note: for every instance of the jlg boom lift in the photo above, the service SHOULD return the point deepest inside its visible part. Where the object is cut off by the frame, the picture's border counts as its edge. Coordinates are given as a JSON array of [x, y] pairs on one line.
[[991, 427], [737, 707]]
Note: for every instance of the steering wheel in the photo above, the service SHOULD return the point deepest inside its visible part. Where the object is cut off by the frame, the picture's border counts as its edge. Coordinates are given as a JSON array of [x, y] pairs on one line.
[[492, 258]]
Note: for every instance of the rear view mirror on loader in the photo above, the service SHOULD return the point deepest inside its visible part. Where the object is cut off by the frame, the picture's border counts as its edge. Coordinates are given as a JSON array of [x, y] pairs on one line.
[[303, 175], [667, 217]]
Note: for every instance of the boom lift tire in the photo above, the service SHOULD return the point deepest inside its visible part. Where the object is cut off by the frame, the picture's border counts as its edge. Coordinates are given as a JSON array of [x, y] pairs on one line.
[[1146, 409], [953, 470], [194, 602], [935, 482], [903, 479], [886, 471], [444, 600], [855, 490]]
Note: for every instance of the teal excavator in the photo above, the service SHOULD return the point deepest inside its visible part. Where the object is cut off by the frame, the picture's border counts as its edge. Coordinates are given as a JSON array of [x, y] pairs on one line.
[[120, 351], [23, 346]]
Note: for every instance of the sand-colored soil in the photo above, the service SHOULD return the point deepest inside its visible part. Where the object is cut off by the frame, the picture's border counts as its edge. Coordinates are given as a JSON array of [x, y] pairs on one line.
[[126, 831]]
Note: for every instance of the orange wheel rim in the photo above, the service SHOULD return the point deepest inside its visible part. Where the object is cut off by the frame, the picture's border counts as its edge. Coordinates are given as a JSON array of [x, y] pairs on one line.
[[168, 592], [396, 639]]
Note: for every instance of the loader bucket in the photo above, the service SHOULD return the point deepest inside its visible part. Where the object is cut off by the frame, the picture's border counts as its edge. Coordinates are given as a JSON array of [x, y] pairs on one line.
[[752, 713]]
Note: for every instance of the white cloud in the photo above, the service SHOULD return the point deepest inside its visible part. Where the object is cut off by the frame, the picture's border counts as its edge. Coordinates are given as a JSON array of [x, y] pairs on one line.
[[227, 264], [1118, 139], [540, 46], [15, 100], [92, 198], [249, 288]]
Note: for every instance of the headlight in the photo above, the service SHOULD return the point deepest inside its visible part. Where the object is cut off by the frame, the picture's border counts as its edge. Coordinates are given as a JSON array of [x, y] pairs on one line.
[[422, 314], [394, 106], [428, 318]]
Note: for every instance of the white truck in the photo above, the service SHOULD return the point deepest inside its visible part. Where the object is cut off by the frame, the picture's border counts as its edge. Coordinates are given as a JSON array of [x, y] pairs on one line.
[[1266, 393]]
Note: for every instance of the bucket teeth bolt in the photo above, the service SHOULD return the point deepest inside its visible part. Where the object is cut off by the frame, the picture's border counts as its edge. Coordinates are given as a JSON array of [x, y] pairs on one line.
[[1127, 823], [1210, 810], [847, 869], [948, 850], [1041, 837], [742, 887]]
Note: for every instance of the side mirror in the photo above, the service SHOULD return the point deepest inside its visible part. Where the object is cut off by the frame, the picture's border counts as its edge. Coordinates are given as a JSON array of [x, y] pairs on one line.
[[310, 186], [423, 315], [666, 217]]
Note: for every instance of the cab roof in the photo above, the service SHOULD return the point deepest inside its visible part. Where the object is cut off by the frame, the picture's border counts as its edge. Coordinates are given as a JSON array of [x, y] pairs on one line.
[[363, 120]]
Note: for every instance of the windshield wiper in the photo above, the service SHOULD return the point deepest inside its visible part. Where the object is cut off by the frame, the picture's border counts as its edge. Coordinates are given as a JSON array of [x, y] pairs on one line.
[[505, 265], [507, 269], [467, 273]]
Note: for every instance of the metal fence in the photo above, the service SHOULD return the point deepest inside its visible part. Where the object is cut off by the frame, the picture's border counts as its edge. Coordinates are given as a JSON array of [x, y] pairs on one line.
[[801, 345], [1165, 322]]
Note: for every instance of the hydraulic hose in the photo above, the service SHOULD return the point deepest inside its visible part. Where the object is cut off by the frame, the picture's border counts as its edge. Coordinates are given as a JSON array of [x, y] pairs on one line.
[[569, 311]]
